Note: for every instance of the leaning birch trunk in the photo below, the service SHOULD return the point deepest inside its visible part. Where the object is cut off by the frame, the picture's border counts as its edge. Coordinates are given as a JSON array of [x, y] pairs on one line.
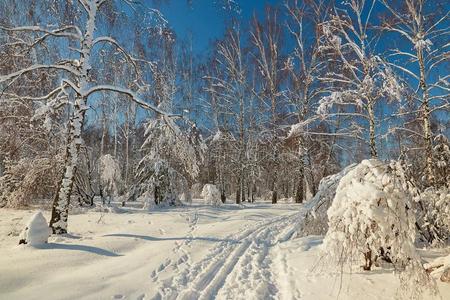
[[60, 209]]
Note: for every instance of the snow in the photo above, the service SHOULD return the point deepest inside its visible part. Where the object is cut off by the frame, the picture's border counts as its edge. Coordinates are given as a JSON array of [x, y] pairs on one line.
[[211, 194], [316, 219], [199, 251], [371, 219], [36, 232], [369, 211], [110, 174]]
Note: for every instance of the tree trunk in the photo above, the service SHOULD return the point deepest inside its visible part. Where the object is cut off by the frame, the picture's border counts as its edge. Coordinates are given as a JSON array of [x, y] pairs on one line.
[[60, 209], [274, 185], [427, 134], [274, 197], [373, 146], [238, 196], [299, 195], [223, 197]]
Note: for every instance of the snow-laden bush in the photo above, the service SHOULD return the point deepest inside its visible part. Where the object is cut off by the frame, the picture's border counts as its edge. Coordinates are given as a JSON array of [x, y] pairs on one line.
[[110, 175], [434, 216], [28, 179], [159, 183], [211, 195], [172, 155], [371, 216], [36, 232], [441, 161], [316, 219]]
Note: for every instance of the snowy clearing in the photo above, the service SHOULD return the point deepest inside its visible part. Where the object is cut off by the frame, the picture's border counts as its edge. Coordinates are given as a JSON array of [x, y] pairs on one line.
[[192, 252]]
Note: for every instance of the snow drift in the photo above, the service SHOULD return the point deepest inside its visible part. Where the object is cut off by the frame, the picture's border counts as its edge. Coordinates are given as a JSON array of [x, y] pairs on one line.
[[36, 232]]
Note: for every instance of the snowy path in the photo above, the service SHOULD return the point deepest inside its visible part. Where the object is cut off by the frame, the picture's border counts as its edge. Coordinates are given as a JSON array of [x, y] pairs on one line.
[[237, 268], [197, 252]]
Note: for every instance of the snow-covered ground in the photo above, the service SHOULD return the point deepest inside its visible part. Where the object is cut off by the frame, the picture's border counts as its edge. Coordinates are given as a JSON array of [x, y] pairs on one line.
[[193, 252]]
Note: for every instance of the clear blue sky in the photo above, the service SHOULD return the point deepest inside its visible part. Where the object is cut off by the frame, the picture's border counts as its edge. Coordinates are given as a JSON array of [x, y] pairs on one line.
[[206, 19]]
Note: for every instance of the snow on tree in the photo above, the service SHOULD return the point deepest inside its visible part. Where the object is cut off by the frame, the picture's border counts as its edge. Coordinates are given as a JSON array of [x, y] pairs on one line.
[[441, 161], [196, 190], [423, 30], [211, 195], [434, 215], [371, 216], [28, 180], [76, 80], [36, 232], [361, 78], [304, 66], [110, 175], [316, 219], [171, 160]]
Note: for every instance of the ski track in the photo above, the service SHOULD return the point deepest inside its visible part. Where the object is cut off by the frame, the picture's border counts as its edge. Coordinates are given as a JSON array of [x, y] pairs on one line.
[[239, 267]]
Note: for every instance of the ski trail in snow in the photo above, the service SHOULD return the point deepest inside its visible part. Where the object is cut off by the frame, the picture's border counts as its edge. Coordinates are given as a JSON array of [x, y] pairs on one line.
[[239, 267]]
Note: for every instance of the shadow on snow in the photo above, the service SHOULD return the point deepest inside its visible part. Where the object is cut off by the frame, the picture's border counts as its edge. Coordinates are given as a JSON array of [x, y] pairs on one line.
[[84, 248], [151, 238]]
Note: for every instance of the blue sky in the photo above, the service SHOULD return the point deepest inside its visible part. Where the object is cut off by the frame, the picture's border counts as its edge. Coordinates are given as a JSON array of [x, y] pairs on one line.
[[206, 19]]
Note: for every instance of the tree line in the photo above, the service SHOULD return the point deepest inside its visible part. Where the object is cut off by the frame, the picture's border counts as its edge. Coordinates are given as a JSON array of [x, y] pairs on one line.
[[279, 102]]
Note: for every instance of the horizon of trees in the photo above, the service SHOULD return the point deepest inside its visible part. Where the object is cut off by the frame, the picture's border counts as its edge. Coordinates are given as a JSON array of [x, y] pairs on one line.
[[281, 100]]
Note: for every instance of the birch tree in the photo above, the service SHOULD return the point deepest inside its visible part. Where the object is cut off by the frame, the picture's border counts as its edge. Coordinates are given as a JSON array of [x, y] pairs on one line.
[[75, 82], [304, 66], [267, 38], [361, 78], [230, 88], [424, 61]]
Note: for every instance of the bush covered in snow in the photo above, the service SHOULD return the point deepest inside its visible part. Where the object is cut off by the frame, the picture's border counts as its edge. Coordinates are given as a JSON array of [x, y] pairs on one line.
[[28, 179], [159, 183], [441, 161], [172, 156], [371, 216], [110, 175], [36, 232], [211, 194], [434, 215], [316, 219]]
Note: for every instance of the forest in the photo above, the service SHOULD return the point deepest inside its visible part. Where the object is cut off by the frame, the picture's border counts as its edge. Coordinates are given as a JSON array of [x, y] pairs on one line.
[[330, 120]]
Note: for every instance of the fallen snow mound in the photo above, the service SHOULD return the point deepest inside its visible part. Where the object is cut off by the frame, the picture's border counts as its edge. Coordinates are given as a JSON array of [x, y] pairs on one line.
[[211, 194], [36, 232]]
